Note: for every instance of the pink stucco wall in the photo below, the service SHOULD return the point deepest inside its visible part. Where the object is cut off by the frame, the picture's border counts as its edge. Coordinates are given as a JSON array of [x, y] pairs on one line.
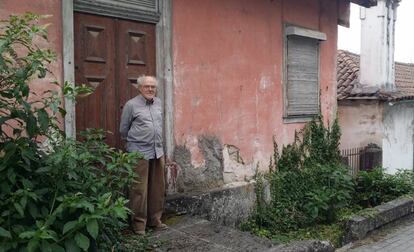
[[43, 7], [228, 62], [227, 68]]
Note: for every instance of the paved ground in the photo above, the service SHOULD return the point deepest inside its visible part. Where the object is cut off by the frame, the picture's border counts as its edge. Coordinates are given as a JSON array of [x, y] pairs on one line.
[[189, 233], [195, 234], [396, 238]]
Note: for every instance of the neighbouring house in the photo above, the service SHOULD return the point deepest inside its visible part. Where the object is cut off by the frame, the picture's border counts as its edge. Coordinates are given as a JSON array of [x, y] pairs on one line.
[[376, 94], [233, 74], [378, 117]]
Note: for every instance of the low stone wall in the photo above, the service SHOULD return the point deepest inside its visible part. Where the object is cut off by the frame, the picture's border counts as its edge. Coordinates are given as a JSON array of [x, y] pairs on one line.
[[225, 206], [359, 226]]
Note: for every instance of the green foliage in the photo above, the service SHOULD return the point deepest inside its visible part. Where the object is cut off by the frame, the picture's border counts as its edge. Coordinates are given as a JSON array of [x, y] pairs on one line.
[[321, 144], [308, 185], [68, 196], [133, 243], [331, 232], [20, 62], [261, 205], [375, 187], [312, 193]]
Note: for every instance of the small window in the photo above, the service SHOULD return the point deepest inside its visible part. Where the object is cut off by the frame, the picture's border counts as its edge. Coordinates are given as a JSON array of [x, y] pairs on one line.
[[302, 72]]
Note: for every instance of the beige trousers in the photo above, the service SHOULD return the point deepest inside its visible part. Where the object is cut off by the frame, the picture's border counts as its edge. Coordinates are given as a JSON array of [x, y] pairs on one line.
[[147, 195]]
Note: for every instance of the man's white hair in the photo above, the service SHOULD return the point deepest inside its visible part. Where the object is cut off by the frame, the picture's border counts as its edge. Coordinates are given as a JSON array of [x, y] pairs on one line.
[[142, 78]]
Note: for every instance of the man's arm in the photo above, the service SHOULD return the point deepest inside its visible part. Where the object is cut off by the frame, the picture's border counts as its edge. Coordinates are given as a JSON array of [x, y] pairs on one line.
[[126, 120]]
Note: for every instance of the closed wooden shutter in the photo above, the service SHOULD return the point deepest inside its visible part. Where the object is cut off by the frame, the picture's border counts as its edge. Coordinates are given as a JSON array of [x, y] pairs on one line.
[[302, 76], [139, 10]]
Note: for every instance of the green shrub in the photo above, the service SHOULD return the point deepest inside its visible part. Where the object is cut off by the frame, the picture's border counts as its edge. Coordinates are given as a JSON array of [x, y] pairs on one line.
[[307, 196], [308, 185], [375, 187], [312, 193], [66, 196]]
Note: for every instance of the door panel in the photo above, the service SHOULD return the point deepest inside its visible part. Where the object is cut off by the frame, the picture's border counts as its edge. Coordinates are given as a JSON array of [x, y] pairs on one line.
[[109, 56], [135, 57], [94, 64]]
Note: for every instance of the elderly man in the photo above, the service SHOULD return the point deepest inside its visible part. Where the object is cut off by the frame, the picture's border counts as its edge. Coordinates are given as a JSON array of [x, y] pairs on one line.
[[141, 126]]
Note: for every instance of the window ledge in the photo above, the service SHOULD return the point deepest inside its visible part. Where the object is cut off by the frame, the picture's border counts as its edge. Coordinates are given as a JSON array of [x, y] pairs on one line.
[[299, 31], [298, 119]]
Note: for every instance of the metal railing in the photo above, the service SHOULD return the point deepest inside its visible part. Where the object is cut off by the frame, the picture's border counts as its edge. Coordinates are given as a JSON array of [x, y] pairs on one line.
[[362, 158]]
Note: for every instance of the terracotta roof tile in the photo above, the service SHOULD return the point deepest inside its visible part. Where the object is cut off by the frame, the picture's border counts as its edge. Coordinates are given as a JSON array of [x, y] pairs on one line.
[[348, 86]]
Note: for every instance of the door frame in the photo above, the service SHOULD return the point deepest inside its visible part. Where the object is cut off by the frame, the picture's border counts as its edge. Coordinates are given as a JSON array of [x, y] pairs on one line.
[[163, 60]]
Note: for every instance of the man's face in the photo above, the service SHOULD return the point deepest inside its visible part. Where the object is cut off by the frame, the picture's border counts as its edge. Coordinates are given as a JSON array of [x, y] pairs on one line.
[[148, 88]]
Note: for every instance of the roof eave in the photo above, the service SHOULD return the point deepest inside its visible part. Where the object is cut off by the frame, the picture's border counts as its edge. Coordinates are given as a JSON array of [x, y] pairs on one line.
[[365, 3]]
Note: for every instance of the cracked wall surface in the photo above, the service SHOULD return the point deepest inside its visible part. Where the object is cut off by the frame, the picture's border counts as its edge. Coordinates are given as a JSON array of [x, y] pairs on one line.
[[220, 165], [207, 176], [228, 85]]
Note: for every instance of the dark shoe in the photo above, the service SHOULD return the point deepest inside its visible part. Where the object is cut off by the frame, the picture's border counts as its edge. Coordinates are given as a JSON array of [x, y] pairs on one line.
[[139, 232], [138, 227], [160, 227]]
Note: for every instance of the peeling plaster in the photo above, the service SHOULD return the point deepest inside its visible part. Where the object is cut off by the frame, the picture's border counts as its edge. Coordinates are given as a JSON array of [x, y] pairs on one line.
[[235, 170], [221, 165], [199, 178], [191, 143], [172, 172], [240, 90], [265, 82]]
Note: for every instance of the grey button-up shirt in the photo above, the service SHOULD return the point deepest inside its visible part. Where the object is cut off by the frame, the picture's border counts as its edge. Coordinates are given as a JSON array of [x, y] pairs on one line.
[[141, 126]]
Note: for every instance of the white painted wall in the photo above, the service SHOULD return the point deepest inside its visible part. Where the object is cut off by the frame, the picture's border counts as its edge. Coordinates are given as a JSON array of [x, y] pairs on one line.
[[377, 45], [398, 136]]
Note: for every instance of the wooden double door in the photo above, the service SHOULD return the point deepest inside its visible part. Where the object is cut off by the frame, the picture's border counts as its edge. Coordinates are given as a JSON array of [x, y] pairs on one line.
[[110, 54]]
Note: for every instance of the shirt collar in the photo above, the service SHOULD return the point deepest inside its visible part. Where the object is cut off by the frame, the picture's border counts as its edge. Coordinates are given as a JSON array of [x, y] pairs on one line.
[[147, 102]]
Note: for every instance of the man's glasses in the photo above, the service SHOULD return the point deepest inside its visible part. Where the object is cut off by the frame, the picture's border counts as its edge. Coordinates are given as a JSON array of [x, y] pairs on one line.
[[147, 87]]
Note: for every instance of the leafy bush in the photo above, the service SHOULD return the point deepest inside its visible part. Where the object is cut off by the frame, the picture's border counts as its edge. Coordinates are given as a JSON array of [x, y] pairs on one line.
[[308, 185], [312, 193], [67, 197], [375, 187]]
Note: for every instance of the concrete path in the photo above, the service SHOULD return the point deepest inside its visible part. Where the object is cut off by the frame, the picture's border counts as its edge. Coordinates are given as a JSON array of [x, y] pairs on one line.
[[397, 238], [198, 235]]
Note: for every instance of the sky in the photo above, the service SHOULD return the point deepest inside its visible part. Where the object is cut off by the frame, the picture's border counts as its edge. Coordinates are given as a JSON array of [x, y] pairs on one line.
[[349, 38]]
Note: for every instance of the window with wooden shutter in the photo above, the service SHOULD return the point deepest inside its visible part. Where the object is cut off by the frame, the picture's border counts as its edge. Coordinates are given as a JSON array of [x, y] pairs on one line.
[[302, 72]]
